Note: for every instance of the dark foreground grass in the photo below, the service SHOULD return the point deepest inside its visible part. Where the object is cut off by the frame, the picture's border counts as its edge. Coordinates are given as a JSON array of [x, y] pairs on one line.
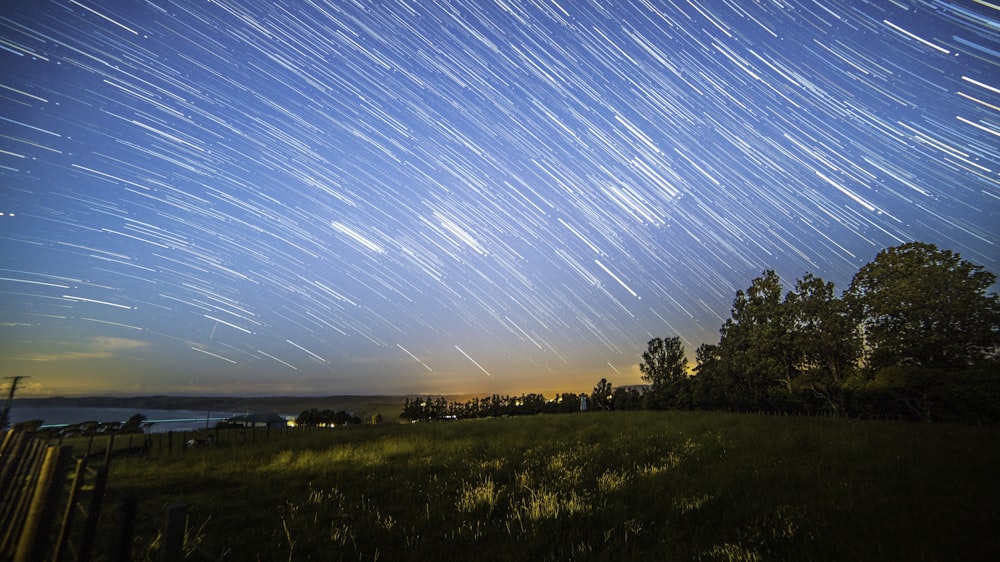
[[600, 486]]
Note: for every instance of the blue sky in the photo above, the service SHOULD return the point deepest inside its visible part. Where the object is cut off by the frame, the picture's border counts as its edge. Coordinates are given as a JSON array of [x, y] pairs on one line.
[[329, 197]]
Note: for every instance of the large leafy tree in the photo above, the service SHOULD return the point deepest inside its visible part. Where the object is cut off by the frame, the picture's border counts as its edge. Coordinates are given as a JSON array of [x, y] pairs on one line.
[[919, 305], [825, 340], [600, 398], [663, 365], [756, 346], [772, 347], [824, 336], [712, 384]]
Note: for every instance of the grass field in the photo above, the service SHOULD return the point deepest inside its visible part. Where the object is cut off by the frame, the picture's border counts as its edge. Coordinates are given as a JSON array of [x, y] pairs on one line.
[[597, 486]]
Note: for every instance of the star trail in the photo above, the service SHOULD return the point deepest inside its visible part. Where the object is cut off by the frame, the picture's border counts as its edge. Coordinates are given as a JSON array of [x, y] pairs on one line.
[[468, 196]]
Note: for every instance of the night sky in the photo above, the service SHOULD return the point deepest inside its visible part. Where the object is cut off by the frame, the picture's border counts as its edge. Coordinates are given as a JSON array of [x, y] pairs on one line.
[[309, 197]]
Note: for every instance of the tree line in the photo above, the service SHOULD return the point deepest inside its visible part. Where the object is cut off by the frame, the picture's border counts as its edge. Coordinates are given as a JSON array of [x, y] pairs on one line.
[[915, 336], [493, 406], [314, 417]]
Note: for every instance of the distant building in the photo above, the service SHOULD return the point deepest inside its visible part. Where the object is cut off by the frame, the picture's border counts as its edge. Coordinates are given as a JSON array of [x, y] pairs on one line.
[[257, 420], [640, 388]]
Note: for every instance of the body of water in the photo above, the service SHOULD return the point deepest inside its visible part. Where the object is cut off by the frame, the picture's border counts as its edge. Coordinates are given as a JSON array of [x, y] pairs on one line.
[[162, 420]]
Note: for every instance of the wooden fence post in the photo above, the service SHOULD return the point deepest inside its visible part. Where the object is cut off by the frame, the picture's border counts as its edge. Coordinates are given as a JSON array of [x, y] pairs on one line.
[[8, 439], [110, 449], [68, 514], [29, 545], [14, 443], [121, 544], [90, 445], [19, 474], [93, 512], [173, 534]]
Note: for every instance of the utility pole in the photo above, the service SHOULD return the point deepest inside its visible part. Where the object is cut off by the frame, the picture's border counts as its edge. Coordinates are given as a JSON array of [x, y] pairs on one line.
[[4, 415]]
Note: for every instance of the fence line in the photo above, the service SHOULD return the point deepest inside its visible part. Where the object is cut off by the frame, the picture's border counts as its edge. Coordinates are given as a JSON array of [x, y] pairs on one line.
[[42, 491], [54, 504]]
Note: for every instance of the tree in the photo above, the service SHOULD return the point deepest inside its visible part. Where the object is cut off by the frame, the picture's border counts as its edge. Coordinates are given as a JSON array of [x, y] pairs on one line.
[[711, 382], [663, 361], [918, 305], [756, 350], [567, 402], [28, 426], [423, 409], [134, 423], [308, 417], [825, 337], [342, 417], [664, 367], [600, 398], [825, 340], [625, 399]]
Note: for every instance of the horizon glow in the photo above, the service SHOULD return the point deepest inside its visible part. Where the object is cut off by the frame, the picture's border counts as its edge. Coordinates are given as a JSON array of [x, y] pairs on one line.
[[315, 198]]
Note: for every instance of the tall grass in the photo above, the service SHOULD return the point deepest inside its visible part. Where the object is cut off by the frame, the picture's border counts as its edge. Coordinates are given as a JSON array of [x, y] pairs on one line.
[[600, 486]]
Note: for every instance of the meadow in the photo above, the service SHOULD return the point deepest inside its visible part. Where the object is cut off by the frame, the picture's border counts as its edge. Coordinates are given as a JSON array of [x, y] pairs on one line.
[[637, 485]]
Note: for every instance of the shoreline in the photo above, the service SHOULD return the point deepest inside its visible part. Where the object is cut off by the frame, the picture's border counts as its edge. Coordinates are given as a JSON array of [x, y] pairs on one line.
[[387, 406]]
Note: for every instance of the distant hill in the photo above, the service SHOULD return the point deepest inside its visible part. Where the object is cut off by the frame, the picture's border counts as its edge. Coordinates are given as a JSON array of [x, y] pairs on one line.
[[360, 406]]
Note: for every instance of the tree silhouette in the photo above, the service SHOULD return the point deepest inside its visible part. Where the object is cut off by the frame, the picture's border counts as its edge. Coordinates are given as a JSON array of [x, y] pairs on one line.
[[664, 368], [919, 305], [600, 398]]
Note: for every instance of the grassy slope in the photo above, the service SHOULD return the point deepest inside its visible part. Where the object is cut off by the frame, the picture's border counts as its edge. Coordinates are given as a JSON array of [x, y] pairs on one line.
[[600, 486]]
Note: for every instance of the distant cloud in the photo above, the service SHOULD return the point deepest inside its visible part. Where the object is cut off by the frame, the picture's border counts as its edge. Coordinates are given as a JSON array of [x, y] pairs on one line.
[[98, 348], [118, 344]]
